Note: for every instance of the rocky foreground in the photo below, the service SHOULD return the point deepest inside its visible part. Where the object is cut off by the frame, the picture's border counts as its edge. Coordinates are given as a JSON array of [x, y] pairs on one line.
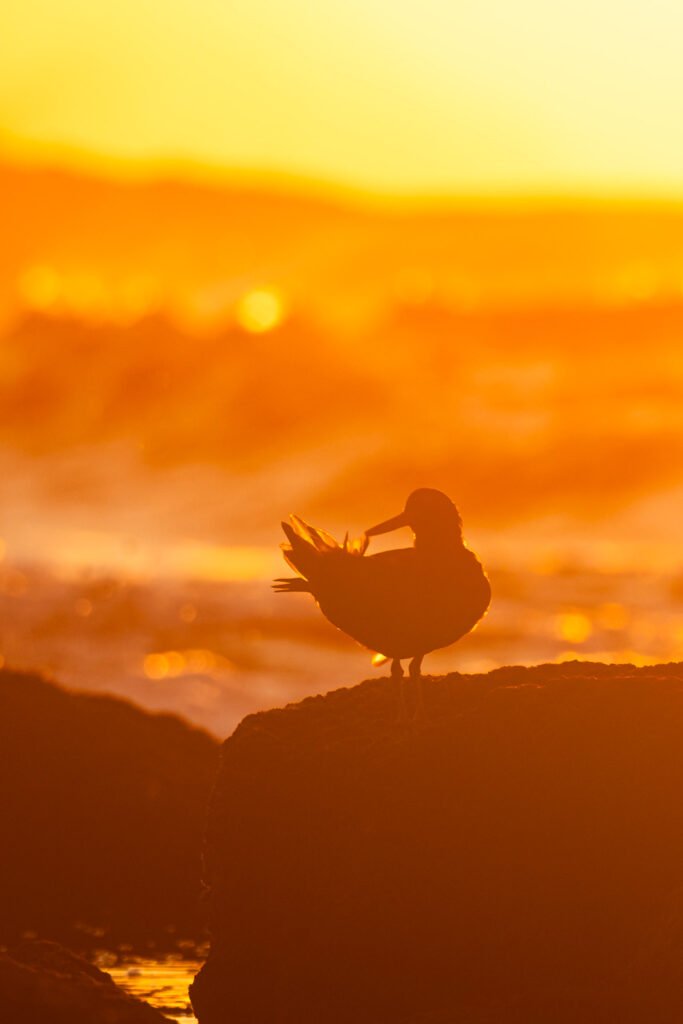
[[43, 983], [102, 809], [514, 857]]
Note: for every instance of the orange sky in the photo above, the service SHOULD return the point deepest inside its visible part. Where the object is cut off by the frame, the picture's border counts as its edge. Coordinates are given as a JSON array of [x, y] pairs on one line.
[[474, 96]]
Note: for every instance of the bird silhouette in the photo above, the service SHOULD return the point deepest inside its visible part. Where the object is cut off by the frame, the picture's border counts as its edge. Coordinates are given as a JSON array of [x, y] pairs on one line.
[[402, 603]]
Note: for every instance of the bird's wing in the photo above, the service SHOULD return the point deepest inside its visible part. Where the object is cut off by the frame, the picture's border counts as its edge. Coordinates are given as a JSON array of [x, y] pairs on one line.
[[371, 596], [396, 601]]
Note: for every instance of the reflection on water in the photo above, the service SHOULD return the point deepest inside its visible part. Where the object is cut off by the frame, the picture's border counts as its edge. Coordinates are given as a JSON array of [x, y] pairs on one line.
[[162, 983], [214, 652]]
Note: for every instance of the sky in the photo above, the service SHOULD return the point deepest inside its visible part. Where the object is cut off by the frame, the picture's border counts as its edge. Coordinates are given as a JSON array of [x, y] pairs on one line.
[[482, 97]]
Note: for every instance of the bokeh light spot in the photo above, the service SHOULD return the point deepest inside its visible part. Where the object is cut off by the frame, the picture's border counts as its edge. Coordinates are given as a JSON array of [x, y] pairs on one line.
[[260, 310], [574, 627], [40, 287], [156, 666], [175, 662]]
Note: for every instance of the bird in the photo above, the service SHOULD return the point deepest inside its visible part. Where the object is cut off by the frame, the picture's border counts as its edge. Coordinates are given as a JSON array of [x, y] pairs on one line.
[[400, 604]]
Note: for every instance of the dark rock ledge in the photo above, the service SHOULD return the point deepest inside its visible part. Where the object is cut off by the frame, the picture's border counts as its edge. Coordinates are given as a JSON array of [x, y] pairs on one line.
[[43, 983], [514, 858]]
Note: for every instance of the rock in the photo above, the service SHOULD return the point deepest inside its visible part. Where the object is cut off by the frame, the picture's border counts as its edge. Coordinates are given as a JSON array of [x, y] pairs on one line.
[[515, 858], [102, 809], [43, 983]]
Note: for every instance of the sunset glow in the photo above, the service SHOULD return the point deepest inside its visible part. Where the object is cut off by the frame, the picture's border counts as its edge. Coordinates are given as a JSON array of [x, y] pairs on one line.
[[341, 546], [264, 258], [475, 98]]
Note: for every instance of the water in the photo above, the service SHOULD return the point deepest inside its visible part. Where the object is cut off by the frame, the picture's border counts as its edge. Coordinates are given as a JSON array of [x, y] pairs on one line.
[[214, 652], [161, 983]]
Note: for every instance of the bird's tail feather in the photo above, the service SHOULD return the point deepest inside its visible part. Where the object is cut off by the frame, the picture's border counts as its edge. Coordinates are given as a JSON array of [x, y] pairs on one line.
[[319, 539], [305, 545], [291, 585], [304, 548]]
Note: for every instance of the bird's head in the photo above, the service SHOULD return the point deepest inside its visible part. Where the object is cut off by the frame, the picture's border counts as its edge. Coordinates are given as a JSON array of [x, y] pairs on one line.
[[428, 513]]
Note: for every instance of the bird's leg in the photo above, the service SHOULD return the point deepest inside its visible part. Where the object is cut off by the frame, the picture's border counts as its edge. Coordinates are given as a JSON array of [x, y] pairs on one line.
[[397, 673], [415, 671]]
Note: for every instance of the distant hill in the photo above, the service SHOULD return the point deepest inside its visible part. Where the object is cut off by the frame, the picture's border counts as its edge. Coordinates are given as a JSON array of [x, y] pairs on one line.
[[329, 252], [102, 808]]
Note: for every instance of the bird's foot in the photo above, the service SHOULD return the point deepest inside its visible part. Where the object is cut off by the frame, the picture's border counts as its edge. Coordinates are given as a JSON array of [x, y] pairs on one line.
[[419, 714], [419, 711]]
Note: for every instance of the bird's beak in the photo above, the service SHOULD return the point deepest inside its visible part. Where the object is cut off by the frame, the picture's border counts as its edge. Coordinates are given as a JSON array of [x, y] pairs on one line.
[[390, 524]]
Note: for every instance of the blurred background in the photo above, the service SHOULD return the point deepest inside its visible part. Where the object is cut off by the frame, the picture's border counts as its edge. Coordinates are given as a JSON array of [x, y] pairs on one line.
[[266, 257]]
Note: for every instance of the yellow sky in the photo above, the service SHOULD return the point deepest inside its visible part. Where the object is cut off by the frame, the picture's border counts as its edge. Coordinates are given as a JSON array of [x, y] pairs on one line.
[[456, 96]]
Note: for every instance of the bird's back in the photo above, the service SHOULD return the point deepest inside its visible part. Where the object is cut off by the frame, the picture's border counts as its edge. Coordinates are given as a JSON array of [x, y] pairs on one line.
[[403, 603]]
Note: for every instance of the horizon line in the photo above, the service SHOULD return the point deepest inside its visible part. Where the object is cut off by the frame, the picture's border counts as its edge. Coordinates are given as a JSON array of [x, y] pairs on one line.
[[168, 169]]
